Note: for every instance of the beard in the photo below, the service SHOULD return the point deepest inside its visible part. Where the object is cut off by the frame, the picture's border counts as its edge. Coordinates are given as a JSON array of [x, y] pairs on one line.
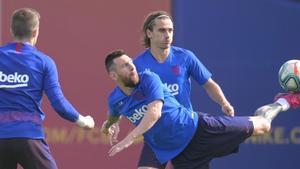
[[131, 82]]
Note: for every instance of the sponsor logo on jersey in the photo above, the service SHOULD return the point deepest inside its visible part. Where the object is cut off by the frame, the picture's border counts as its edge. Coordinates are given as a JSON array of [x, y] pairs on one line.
[[13, 80], [174, 88], [138, 114]]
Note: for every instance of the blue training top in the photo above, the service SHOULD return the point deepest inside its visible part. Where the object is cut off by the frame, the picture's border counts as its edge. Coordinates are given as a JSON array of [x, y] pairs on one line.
[[176, 126], [175, 71], [25, 73]]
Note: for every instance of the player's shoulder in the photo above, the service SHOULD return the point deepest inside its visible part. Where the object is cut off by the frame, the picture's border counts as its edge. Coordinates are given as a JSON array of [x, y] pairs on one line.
[[182, 51], [7, 46], [181, 54], [42, 55], [147, 73], [28, 50], [3, 47], [115, 96], [148, 76], [141, 57]]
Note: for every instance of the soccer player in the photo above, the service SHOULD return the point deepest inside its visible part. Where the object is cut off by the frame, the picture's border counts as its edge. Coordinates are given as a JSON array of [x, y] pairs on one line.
[[174, 65], [25, 73], [171, 132]]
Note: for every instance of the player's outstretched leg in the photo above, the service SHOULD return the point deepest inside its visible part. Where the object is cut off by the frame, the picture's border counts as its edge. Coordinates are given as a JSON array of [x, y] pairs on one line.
[[269, 111]]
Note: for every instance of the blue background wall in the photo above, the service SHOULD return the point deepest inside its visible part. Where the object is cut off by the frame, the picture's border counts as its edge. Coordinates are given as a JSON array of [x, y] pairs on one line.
[[244, 43]]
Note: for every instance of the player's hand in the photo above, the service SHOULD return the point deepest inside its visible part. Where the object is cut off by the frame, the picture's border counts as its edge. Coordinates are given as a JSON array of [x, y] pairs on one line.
[[111, 133], [125, 143], [228, 109], [86, 122]]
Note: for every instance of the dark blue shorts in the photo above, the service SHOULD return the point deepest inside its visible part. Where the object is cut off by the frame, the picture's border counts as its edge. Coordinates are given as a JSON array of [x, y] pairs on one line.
[[29, 153], [216, 136], [148, 158]]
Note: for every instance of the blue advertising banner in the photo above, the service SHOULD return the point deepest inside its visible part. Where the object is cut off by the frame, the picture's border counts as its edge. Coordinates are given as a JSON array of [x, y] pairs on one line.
[[244, 43]]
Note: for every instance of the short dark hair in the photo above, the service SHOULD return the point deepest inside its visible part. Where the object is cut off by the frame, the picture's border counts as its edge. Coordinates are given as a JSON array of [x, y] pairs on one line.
[[109, 60], [150, 22], [23, 22]]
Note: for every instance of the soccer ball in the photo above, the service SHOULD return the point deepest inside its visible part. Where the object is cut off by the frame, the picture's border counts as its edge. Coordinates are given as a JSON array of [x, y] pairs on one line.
[[289, 76]]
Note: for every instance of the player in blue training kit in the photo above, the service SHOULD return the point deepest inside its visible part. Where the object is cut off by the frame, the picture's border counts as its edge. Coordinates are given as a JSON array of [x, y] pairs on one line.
[[175, 66], [171, 132], [175, 72], [25, 73]]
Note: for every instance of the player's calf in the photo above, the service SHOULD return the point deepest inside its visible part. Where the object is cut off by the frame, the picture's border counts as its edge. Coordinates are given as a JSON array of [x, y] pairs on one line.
[[269, 111]]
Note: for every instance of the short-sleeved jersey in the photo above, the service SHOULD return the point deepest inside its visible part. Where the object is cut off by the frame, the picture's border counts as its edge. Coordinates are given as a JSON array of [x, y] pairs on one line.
[[176, 126], [175, 72], [25, 73]]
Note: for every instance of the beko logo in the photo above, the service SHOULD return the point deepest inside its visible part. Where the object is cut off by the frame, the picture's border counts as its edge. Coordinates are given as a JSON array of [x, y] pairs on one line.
[[174, 88], [139, 113], [13, 80]]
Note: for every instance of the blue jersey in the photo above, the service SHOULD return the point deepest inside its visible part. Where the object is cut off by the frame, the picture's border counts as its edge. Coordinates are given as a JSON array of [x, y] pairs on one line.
[[172, 132], [175, 71], [25, 73]]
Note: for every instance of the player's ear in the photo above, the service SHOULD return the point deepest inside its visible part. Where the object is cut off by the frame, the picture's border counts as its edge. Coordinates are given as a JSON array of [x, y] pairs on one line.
[[35, 33], [149, 33], [113, 75]]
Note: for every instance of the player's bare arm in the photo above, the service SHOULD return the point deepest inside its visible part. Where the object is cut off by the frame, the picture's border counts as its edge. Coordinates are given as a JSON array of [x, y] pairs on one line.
[[215, 93], [110, 129], [108, 123], [151, 117]]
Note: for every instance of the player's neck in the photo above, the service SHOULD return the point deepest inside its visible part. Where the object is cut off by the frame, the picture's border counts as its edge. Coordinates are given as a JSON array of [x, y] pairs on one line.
[[160, 54], [30, 41], [126, 90]]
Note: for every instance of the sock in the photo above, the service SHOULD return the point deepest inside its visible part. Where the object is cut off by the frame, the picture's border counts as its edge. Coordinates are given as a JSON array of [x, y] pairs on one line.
[[285, 105]]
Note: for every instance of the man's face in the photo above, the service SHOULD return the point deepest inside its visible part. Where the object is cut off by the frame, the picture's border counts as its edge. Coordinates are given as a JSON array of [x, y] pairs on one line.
[[162, 34], [125, 72]]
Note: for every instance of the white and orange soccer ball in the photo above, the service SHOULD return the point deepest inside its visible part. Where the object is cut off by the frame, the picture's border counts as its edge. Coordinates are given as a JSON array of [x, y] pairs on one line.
[[289, 76]]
